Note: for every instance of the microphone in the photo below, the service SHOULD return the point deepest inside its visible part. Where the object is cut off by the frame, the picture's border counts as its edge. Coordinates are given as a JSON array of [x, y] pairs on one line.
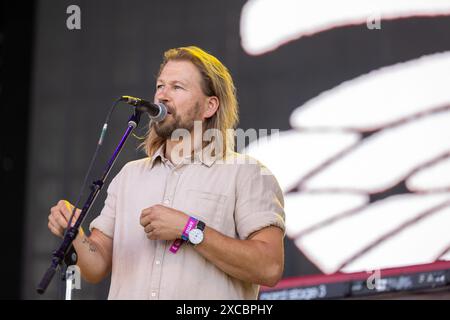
[[157, 111]]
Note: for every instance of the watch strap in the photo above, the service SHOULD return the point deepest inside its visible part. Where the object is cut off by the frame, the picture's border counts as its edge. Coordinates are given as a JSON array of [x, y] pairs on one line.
[[200, 225]]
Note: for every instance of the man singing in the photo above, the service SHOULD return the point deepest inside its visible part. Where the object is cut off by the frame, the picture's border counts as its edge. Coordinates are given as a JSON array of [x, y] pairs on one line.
[[194, 219]]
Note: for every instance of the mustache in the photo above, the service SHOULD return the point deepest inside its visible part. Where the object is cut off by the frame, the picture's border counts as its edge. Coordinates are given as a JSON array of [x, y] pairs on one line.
[[169, 109]]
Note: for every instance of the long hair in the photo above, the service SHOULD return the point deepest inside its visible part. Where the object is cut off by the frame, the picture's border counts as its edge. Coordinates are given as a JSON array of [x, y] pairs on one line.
[[216, 81]]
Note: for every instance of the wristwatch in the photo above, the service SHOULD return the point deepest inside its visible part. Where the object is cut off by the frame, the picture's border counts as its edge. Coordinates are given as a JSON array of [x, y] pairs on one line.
[[196, 235]]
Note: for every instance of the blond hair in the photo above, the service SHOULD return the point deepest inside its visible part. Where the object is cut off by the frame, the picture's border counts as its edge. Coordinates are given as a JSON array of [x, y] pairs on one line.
[[216, 81]]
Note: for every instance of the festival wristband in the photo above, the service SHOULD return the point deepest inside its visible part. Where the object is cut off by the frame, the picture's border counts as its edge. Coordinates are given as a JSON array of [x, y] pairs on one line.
[[192, 222], [176, 245]]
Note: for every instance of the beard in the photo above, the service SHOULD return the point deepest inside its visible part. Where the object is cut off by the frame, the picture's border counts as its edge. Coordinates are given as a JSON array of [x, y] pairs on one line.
[[173, 121]]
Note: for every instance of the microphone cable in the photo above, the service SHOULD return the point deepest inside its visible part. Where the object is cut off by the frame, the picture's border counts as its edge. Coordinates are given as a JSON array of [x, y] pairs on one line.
[[91, 164]]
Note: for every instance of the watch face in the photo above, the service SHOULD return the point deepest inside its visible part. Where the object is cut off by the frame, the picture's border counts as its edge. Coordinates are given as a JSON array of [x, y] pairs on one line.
[[195, 236]]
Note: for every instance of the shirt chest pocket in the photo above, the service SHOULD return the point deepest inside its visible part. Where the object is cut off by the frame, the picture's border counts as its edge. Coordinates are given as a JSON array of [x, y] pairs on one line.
[[206, 206]]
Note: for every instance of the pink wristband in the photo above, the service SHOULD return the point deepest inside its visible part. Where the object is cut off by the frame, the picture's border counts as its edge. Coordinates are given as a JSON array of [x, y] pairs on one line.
[[176, 245], [192, 222]]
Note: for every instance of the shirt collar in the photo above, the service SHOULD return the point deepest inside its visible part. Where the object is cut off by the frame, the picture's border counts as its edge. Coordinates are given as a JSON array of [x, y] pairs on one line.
[[158, 154], [205, 155], [202, 155]]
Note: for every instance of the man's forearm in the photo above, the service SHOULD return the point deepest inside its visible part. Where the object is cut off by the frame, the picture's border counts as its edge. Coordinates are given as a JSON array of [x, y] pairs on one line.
[[92, 261], [248, 260]]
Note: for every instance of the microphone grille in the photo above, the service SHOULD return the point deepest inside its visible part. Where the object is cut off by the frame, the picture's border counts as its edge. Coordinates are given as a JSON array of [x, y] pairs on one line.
[[162, 113]]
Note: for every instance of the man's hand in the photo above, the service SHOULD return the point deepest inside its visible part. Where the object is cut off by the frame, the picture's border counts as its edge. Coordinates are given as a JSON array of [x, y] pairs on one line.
[[59, 216], [163, 223]]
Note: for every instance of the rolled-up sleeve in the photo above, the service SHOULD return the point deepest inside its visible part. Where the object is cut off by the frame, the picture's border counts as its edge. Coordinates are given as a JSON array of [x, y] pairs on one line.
[[259, 201], [105, 222]]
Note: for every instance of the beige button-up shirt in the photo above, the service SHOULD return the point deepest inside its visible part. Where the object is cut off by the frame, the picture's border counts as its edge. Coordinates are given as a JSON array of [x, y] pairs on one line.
[[231, 195]]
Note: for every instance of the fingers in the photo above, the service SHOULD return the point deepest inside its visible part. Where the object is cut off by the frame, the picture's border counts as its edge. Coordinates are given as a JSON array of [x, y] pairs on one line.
[[66, 209], [57, 231], [149, 228], [146, 216], [151, 220], [145, 221], [146, 212], [152, 234], [55, 227], [59, 216]]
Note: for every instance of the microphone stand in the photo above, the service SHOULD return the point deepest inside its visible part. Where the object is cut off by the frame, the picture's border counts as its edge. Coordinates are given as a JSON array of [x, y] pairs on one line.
[[65, 254]]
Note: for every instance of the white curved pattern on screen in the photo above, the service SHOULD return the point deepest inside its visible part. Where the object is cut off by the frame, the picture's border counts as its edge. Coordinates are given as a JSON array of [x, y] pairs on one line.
[[435, 178], [304, 152], [398, 151], [360, 178], [268, 24], [420, 243], [381, 227], [305, 210], [380, 97]]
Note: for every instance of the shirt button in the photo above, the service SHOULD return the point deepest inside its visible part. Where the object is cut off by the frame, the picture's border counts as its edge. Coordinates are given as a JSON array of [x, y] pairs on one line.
[[153, 294], [167, 201], [158, 262]]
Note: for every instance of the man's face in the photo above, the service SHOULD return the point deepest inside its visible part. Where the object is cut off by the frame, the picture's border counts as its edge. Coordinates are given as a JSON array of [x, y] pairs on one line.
[[179, 88]]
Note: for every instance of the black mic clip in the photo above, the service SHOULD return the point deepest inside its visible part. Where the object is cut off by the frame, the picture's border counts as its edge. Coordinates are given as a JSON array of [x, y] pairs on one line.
[[157, 111]]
